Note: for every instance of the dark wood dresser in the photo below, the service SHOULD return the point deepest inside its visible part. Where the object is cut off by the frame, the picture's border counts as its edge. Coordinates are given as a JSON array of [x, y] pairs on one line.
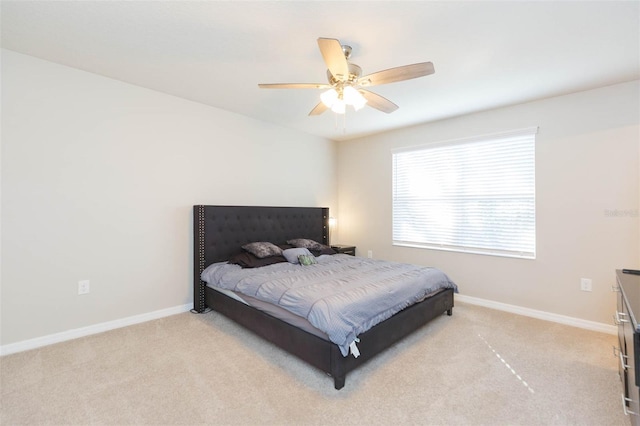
[[628, 350]]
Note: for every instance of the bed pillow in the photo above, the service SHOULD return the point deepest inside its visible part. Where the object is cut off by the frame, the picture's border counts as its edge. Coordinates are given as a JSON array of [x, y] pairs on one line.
[[309, 244], [263, 249], [247, 260], [323, 250], [292, 254], [315, 247], [307, 259]]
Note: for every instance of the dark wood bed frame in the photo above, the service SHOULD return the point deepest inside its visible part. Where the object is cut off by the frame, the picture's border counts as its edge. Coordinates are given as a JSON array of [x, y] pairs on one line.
[[220, 231]]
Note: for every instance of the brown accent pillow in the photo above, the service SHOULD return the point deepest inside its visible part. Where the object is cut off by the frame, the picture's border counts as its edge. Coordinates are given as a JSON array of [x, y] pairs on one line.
[[247, 260], [323, 250]]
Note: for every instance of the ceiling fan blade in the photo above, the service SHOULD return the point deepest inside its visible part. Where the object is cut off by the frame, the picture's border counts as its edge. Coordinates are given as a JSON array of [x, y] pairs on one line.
[[378, 102], [294, 86], [334, 57], [318, 109], [392, 75]]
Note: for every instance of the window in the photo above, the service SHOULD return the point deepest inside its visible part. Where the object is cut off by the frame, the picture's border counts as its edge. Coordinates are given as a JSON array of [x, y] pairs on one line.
[[475, 195]]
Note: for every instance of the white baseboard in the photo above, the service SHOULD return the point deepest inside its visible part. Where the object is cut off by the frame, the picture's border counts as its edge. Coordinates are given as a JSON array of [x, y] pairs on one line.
[[50, 339], [547, 316], [38, 342]]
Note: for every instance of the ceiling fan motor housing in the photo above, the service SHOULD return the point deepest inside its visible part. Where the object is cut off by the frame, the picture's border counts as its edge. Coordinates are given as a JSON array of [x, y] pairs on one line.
[[354, 74]]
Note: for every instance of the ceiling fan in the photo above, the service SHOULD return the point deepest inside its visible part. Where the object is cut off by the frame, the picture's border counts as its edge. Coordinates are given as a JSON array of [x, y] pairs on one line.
[[347, 86]]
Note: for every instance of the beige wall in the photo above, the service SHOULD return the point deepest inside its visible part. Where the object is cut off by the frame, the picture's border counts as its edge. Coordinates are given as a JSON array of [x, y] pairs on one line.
[[98, 180], [587, 160]]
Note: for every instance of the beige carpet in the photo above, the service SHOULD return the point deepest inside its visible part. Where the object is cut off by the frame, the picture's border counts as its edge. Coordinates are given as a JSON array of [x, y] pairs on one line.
[[478, 367]]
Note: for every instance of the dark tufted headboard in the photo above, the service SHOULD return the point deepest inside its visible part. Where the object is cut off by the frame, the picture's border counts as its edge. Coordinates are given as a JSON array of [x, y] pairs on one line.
[[220, 231]]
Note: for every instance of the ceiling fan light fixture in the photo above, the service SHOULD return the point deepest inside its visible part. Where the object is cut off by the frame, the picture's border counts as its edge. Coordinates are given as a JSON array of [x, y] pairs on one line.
[[329, 97], [337, 101], [354, 98], [360, 105], [338, 106]]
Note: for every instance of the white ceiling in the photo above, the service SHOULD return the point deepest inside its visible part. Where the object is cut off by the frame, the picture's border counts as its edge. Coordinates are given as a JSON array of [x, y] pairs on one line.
[[486, 54]]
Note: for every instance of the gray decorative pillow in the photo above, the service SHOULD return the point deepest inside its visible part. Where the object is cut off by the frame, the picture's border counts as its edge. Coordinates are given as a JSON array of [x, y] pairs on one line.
[[263, 249], [307, 259], [309, 244], [292, 254]]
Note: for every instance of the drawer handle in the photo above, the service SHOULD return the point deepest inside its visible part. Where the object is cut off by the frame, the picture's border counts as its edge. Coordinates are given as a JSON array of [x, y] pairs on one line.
[[624, 407], [616, 350], [615, 289], [618, 320]]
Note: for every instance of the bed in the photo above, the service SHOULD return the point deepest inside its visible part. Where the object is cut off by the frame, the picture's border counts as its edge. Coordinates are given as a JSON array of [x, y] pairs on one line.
[[219, 234]]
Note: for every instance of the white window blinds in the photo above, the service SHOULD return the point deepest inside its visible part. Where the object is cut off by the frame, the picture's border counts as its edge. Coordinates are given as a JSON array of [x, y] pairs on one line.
[[475, 195]]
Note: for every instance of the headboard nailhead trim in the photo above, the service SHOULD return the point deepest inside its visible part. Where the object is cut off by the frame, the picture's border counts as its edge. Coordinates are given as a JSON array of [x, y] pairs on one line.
[[201, 258]]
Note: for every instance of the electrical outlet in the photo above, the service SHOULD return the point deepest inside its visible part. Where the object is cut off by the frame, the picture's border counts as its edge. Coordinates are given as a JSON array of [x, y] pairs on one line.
[[585, 284], [370, 254], [83, 287]]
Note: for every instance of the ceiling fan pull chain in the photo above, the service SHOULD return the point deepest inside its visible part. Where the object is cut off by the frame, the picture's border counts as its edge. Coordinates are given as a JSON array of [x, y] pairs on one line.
[[344, 122]]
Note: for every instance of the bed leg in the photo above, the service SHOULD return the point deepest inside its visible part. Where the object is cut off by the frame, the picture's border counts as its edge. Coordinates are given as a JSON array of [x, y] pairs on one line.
[[338, 382], [449, 312]]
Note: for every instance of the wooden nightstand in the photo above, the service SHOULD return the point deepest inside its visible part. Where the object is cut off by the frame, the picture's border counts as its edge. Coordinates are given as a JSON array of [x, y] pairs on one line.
[[350, 250]]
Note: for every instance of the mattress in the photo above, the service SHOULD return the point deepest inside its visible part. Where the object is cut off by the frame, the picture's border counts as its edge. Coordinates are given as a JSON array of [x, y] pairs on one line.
[[342, 296], [274, 311]]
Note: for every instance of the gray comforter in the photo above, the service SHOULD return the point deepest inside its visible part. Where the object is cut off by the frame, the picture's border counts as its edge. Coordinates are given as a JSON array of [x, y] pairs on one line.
[[341, 295]]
